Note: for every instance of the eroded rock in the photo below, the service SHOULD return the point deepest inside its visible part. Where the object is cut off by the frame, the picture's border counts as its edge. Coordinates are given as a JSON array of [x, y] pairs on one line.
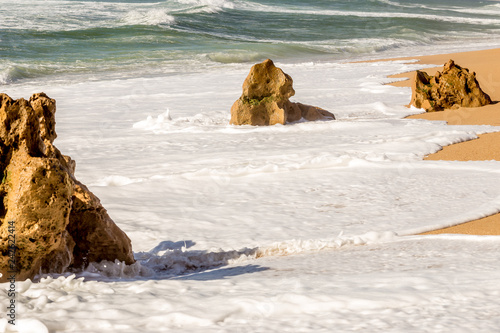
[[54, 221], [265, 99], [452, 88]]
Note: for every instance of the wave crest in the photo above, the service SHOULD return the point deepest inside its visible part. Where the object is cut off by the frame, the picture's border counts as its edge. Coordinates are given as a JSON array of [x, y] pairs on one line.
[[11, 74], [149, 17], [208, 6]]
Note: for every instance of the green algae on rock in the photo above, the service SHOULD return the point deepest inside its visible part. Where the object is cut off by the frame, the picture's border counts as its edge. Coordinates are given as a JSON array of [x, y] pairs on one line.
[[265, 99]]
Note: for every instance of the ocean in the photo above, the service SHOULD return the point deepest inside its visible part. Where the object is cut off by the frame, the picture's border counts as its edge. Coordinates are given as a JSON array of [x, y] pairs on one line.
[[50, 39], [306, 227]]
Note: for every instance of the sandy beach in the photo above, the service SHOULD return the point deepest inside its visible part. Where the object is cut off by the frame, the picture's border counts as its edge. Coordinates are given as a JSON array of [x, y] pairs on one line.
[[311, 226], [486, 147]]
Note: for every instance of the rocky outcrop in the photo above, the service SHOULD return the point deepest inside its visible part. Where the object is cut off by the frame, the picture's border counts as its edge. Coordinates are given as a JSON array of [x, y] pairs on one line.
[[265, 99], [49, 221], [452, 88]]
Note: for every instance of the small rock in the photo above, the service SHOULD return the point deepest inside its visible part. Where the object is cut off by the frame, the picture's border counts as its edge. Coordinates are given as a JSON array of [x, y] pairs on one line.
[[452, 88], [265, 99]]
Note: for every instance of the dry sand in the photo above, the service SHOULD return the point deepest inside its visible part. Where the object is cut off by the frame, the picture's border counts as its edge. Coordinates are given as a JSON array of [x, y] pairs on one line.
[[486, 64]]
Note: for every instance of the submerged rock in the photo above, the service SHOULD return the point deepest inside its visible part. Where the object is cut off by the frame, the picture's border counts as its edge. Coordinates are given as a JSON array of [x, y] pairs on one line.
[[452, 88], [265, 99], [49, 221]]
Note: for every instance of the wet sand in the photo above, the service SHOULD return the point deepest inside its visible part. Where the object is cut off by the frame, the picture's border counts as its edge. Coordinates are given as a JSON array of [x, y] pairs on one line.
[[486, 64]]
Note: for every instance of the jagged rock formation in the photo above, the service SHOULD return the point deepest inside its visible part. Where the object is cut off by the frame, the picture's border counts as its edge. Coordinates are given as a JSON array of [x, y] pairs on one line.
[[452, 88], [265, 99], [53, 220]]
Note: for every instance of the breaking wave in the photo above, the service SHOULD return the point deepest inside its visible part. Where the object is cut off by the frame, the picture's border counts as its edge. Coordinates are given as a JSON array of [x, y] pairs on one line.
[[152, 37], [175, 262], [207, 6], [12, 74], [149, 17], [370, 14]]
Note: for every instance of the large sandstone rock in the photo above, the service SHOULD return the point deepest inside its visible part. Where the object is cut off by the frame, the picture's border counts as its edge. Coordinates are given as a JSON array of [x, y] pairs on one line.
[[452, 88], [56, 221], [265, 99]]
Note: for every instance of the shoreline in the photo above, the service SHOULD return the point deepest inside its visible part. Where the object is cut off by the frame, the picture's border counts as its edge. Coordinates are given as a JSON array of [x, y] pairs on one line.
[[487, 146]]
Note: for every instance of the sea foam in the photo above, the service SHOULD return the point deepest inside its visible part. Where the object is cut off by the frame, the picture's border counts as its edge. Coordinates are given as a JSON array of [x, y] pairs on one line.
[[149, 17]]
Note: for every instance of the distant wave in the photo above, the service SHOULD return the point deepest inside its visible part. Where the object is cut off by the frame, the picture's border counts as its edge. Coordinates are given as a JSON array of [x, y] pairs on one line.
[[489, 9], [207, 6], [127, 38], [406, 5], [234, 57], [492, 10], [92, 14], [5, 77], [11, 72], [14, 73], [149, 17], [322, 12]]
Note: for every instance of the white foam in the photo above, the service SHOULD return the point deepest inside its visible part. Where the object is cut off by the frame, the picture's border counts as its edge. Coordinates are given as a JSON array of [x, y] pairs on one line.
[[270, 228], [116, 180], [202, 122], [376, 287], [23, 326], [10, 73], [5, 77], [234, 57], [70, 15], [153, 124], [149, 17], [171, 263], [208, 6], [322, 12], [490, 10]]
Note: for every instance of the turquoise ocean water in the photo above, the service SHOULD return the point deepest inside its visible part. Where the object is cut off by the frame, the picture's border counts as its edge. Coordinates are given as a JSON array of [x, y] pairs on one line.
[[61, 38]]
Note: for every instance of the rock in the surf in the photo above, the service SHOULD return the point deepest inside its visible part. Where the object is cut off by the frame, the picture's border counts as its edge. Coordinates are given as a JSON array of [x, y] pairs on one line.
[[265, 99], [454, 87], [49, 221]]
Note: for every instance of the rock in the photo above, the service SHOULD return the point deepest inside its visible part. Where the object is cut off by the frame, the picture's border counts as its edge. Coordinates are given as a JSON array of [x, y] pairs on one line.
[[312, 113], [265, 99], [99, 238], [57, 222], [452, 88], [265, 79]]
